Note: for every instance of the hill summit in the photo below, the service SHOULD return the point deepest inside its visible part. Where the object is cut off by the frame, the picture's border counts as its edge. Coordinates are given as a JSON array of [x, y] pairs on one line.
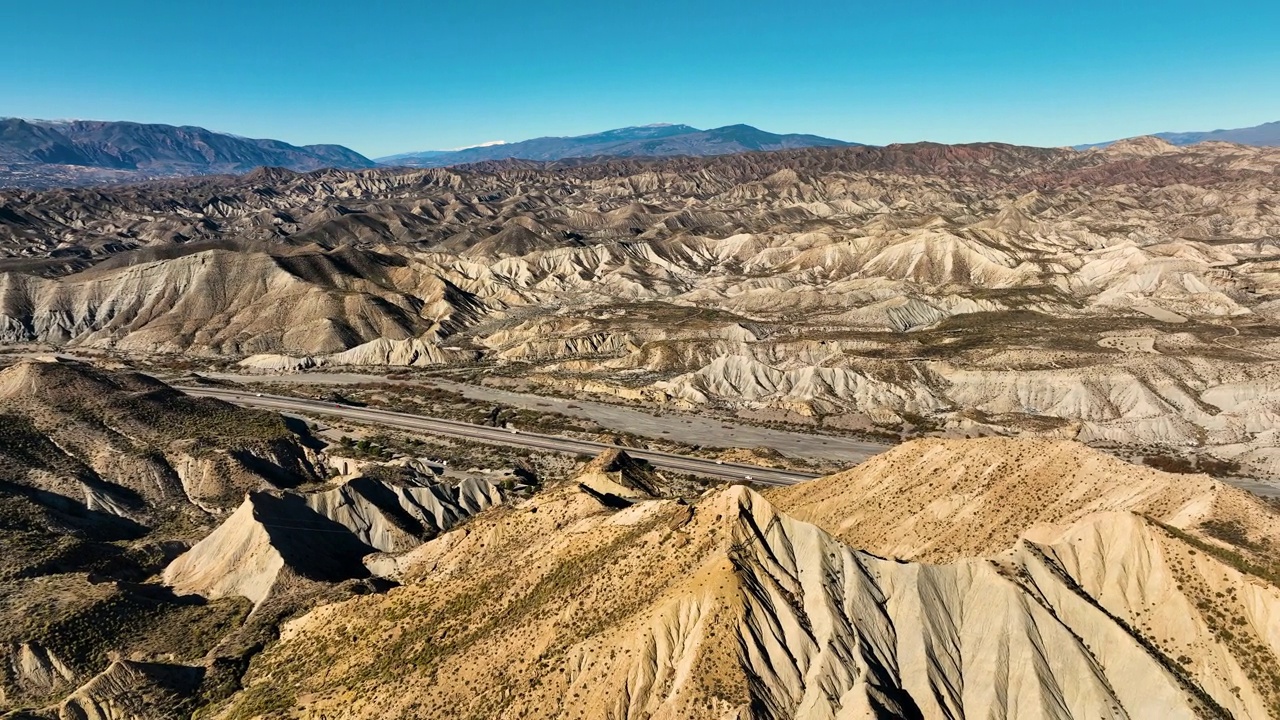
[[732, 606]]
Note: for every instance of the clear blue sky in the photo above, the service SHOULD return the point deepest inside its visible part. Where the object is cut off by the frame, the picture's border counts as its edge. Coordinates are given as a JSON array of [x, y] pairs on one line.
[[384, 76]]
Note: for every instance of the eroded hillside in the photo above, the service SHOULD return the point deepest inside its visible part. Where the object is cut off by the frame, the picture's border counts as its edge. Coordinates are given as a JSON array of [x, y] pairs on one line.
[[1124, 296], [153, 542], [943, 578], [1115, 604]]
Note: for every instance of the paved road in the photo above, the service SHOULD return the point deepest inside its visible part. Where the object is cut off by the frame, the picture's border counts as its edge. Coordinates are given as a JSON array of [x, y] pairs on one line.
[[687, 427], [500, 436]]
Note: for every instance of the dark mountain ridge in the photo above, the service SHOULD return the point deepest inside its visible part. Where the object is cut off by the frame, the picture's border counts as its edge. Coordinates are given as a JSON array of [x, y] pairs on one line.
[[38, 153], [661, 140]]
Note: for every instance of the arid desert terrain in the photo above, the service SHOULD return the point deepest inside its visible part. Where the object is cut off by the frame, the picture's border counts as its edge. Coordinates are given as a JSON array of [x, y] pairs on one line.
[[914, 431]]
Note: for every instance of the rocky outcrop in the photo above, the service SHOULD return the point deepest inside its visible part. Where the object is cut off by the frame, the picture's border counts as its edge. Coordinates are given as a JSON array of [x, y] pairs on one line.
[[395, 518], [805, 390], [235, 303], [29, 671], [130, 690], [614, 473], [1039, 632], [320, 535], [238, 558]]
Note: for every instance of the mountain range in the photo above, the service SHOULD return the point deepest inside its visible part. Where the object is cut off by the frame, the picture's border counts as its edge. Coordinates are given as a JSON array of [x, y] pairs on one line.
[[50, 153], [70, 152], [659, 140], [1264, 135]]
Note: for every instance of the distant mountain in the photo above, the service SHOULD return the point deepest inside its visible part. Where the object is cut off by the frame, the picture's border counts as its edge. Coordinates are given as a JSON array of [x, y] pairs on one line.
[[643, 141], [1264, 135], [41, 151]]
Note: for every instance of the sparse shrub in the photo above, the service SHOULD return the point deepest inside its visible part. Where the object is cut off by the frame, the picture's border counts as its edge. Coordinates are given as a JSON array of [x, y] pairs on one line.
[[1229, 531], [1169, 464]]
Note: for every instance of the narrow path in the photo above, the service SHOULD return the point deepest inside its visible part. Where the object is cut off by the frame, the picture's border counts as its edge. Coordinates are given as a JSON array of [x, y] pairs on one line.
[[1235, 332]]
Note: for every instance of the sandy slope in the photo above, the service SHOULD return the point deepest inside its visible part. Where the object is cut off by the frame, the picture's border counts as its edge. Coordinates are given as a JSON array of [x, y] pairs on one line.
[[937, 500], [731, 608]]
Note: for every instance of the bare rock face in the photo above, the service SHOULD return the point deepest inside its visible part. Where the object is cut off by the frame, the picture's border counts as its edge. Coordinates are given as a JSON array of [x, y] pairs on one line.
[[1118, 601], [233, 303], [321, 535], [236, 559]]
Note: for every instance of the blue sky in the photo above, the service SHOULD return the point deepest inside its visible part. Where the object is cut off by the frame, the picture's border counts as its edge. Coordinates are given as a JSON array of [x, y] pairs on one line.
[[385, 76]]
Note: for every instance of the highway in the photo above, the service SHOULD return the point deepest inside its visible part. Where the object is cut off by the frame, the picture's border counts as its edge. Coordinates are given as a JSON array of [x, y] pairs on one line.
[[500, 436], [692, 428]]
